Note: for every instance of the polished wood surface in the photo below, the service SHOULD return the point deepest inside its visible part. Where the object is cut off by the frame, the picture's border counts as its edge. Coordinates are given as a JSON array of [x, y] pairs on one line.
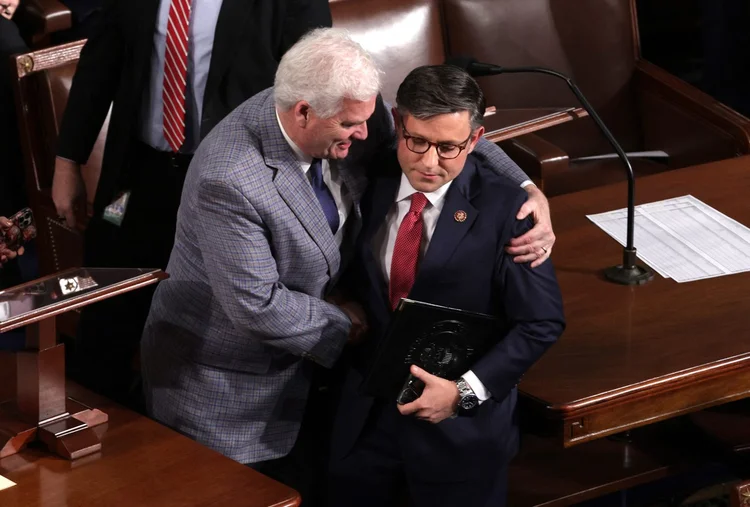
[[66, 304], [40, 409], [508, 123], [142, 463], [631, 356]]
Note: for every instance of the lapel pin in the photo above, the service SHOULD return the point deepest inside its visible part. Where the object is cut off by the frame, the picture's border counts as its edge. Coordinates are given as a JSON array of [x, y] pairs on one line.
[[460, 216]]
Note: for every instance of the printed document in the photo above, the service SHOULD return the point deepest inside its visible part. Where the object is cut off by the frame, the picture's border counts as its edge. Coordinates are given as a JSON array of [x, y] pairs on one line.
[[683, 238]]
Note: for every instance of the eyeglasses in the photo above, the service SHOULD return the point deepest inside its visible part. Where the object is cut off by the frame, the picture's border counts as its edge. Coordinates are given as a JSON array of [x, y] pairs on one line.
[[444, 150]]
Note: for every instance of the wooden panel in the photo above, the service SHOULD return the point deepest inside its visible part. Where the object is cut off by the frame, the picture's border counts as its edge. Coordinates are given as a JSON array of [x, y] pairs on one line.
[[657, 350], [640, 410], [141, 463]]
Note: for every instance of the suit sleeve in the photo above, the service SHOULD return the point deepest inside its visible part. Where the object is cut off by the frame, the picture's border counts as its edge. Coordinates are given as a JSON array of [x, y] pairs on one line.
[[243, 275], [532, 304], [94, 86], [493, 157], [302, 16]]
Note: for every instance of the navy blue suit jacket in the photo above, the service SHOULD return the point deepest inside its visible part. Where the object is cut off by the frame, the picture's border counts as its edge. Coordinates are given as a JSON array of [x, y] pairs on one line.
[[464, 267]]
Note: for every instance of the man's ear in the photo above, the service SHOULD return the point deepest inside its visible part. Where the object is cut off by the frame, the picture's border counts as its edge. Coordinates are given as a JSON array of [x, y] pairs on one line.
[[302, 112], [396, 120], [475, 137]]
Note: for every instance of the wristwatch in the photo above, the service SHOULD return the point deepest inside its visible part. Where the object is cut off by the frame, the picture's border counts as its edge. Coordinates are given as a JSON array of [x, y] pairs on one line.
[[468, 399]]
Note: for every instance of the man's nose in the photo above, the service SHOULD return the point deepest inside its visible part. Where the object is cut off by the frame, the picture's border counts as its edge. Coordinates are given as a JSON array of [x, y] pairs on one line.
[[361, 132], [430, 158]]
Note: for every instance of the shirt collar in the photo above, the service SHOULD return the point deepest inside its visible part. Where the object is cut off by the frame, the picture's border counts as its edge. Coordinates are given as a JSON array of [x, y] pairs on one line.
[[306, 160], [436, 198]]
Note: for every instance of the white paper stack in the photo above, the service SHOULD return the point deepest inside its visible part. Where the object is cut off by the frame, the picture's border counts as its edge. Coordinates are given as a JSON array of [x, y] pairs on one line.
[[683, 238]]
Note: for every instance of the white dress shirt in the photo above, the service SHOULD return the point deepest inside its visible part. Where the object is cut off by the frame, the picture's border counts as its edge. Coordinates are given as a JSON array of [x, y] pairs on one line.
[[331, 178], [203, 17], [385, 241]]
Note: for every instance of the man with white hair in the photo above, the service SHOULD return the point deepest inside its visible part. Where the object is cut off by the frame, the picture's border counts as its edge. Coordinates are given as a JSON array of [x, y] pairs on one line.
[[268, 211]]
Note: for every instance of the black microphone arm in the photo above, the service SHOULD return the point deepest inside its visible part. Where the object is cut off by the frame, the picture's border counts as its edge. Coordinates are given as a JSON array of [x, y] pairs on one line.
[[629, 273]]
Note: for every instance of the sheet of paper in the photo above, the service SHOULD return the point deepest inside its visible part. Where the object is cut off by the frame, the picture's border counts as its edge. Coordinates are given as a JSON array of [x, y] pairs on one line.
[[6, 483], [683, 238]]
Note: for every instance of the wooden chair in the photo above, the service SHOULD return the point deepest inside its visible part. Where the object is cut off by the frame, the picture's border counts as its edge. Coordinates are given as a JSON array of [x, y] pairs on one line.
[[400, 34], [39, 19], [42, 83], [597, 43]]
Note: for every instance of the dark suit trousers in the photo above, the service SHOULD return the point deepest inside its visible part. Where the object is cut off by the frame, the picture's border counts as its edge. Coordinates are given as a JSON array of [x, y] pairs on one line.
[[374, 473], [107, 345]]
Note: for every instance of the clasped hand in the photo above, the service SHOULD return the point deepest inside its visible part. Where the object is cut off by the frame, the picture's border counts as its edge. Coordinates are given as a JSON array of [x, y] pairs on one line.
[[438, 402]]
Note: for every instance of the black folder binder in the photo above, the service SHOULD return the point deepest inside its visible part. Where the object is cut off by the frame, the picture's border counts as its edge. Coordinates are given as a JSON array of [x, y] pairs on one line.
[[441, 340]]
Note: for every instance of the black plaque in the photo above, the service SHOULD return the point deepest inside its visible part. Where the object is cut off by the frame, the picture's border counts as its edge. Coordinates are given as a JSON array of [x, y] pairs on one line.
[[443, 341]]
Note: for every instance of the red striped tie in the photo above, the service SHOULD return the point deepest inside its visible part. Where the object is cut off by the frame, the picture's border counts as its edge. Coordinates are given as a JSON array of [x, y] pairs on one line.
[[175, 73]]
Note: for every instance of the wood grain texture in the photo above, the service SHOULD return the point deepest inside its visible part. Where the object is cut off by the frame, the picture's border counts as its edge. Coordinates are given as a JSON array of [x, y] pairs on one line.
[[509, 123], [141, 463], [635, 355]]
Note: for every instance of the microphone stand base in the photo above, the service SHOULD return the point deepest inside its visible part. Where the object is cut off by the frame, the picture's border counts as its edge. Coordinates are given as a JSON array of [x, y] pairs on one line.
[[634, 275]]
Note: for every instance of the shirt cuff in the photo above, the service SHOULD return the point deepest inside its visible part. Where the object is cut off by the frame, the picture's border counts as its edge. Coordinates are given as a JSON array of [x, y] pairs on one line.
[[476, 385], [526, 183]]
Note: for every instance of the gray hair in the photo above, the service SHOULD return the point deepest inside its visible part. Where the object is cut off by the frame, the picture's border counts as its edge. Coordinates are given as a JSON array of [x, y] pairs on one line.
[[432, 90], [323, 68]]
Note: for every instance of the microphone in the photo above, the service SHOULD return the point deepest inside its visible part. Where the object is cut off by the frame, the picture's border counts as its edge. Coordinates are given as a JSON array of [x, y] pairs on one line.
[[629, 272]]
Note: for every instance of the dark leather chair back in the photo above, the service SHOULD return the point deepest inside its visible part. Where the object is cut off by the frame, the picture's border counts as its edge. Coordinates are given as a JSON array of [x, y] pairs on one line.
[[400, 34], [594, 41]]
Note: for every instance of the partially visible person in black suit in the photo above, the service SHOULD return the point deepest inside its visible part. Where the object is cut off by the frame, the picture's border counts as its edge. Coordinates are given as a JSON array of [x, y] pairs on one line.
[[233, 48], [12, 191], [86, 14], [12, 194], [435, 222]]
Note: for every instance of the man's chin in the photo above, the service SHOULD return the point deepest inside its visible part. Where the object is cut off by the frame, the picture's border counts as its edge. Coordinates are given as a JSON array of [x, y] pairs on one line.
[[338, 153]]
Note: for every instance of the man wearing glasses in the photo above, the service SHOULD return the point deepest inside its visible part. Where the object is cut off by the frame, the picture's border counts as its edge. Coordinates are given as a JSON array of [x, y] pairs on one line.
[[434, 229]]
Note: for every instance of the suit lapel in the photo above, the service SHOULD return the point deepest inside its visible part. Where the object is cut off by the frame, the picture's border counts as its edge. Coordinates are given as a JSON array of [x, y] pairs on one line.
[[144, 43], [232, 17], [383, 196], [294, 188], [455, 220]]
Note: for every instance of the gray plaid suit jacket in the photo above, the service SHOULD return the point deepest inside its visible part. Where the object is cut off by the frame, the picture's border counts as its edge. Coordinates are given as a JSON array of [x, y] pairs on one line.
[[253, 257], [229, 343]]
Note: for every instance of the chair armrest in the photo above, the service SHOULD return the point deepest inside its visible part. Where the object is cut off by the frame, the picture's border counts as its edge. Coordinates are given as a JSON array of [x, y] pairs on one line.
[[691, 126], [540, 159], [45, 16]]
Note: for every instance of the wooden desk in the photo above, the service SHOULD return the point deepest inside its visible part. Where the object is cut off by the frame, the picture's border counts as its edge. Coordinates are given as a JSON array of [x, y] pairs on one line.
[[636, 355], [142, 463], [507, 123]]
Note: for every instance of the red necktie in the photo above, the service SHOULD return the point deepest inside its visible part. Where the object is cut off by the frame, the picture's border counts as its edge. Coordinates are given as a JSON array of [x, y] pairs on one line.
[[406, 250], [175, 73]]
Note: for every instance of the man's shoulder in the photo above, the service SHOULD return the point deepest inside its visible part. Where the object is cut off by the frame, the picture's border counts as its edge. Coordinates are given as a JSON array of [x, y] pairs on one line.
[[232, 153], [493, 184]]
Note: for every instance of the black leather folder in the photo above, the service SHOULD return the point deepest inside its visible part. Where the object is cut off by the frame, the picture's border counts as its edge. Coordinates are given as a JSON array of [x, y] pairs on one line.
[[441, 340]]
